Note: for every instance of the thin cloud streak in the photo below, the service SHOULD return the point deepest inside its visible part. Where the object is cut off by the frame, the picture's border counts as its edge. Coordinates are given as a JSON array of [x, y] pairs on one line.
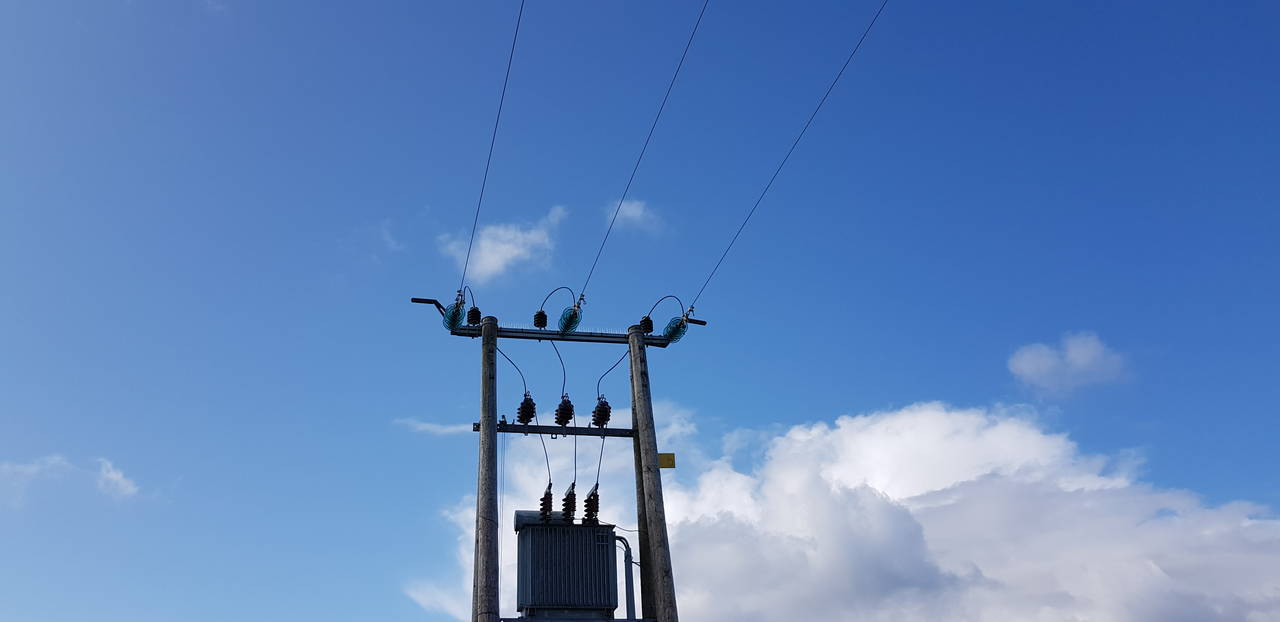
[[437, 429]]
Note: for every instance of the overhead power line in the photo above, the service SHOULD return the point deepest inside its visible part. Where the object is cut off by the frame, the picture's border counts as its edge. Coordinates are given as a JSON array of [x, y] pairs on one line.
[[671, 85], [493, 138], [786, 157]]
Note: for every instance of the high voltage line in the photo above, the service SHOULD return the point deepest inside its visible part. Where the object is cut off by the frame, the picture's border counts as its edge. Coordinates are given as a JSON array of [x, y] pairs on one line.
[[786, 157], [582, 292], [659, 594], [492, 140], [686, 313]]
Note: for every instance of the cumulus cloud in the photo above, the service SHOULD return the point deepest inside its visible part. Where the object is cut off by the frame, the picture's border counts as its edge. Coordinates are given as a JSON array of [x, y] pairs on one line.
[[500, 247], [1081, 359], [16, 477], [925, 513], [439, 429], [634, 215], [112, 482]]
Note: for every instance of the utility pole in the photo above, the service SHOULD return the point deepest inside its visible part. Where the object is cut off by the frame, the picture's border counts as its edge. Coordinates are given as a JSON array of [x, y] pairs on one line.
[[484, 589], [660, 589], [647, 605], [658, 597]]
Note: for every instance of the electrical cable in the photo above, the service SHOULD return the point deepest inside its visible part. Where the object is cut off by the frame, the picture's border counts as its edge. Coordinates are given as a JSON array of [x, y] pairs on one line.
[[547, 456], [583, 291], [677, 299], [600, 459], [493, 139], [611, 368], [564, 376], [517, 367], [544, 300], [789, 151], [564, 379]]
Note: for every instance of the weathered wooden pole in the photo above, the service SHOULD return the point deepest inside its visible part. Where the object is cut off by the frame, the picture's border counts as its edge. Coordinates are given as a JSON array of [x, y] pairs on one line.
[[484, 589], [647, 609], [659, 582]]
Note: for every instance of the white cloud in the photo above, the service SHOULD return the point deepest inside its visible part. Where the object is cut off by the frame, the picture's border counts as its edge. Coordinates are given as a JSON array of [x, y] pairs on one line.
[[389, 240], [500, 247], [112, 482], [925, 513], [1081, 360], [439, 429], [452, 602], [16, 477], [635, 215]]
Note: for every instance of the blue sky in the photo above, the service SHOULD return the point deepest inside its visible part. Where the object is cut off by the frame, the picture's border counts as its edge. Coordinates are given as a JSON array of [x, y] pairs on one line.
[[213, 213]]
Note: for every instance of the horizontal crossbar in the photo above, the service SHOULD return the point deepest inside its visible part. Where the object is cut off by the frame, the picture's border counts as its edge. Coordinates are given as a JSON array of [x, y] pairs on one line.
[[520, 428], [539, 334]]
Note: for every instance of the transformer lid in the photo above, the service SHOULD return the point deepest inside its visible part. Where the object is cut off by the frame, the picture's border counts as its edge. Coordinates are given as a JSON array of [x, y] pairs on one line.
[[531, 518], [524, 518]]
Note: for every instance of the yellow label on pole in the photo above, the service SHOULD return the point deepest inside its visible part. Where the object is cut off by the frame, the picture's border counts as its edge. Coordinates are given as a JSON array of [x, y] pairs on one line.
[[666, 461]]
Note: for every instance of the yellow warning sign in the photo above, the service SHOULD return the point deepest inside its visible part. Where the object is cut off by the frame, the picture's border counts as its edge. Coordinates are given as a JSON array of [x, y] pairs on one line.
[[666, 461]]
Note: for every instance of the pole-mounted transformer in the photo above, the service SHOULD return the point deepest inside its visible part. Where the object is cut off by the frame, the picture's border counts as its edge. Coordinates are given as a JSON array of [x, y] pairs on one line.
[[567, 568]]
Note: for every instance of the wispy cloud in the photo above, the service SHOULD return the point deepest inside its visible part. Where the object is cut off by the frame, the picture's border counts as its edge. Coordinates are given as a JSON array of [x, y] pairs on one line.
[[388, 238], [500, 247], [112, 481], [16, 477], [451, 602], [634, 215], [438, 429], [1081, 359]]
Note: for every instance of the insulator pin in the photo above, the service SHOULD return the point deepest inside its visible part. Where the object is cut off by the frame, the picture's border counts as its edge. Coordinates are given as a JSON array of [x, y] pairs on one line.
[[473, 316], [570, 504], [646, 325], [591, 507], [564, 412], [600, 416], [527, 410], [540, 319]]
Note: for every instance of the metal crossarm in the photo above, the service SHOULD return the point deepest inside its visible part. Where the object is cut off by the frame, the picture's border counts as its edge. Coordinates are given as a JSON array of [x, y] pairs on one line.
[[520, 428], [539, 334]]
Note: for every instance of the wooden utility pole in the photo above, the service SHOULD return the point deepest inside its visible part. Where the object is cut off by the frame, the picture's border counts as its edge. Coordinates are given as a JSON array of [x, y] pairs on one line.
[[659, 582], [647, 606], [658, 594], [484, 592]]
